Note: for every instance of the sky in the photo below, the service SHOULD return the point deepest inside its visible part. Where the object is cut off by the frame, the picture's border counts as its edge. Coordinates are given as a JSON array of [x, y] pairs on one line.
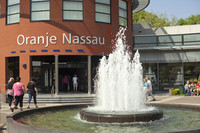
[[177, 8]]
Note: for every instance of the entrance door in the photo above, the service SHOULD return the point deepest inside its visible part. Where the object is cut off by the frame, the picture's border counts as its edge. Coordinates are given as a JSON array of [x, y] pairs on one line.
[[71, 65], [43, 70]]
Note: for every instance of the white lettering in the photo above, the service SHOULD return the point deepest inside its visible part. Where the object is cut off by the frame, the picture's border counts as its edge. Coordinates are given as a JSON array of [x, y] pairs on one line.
[[82, 39], [33, 40], [88, 39], [40, 37], [18, 40], [47, 40], [27, 40], [76, 40], [53, 39], [69, 40], [103, 42], [95, 40]]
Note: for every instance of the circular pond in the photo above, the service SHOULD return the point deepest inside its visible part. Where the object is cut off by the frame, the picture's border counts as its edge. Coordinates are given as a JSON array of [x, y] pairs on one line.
[[174, 119]]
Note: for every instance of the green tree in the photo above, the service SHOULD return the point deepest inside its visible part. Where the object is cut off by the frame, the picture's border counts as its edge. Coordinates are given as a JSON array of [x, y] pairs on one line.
[[194, 19], [181, 22], [162, 20], [155, 20]]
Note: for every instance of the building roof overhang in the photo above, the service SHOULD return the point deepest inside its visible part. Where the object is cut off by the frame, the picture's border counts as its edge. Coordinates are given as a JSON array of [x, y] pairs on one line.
[[139, 5]]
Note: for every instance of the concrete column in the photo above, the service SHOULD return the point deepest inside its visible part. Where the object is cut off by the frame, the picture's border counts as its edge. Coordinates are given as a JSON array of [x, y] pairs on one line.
[[89, 74], [182, 70], [158, 77], [56, 75]]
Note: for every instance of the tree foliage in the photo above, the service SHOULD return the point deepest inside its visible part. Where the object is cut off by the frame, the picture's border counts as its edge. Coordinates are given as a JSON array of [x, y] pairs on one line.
[[147, 17], [194, 19], [162, 19]]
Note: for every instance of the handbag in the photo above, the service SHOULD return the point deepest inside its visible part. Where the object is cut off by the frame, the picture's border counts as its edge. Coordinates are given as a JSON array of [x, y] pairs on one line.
[[10, 92]]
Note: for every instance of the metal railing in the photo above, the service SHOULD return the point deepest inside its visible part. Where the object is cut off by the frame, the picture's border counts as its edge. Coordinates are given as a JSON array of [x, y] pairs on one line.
[[166, 40]]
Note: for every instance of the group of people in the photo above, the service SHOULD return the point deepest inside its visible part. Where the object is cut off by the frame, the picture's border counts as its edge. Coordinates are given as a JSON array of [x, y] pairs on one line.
[[191, 89], [15, 92], [148, 89], [66, 85]]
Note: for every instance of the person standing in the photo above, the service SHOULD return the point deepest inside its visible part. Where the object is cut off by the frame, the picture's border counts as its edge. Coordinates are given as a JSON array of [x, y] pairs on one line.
[[19, 89], [65, 83], [149, 89], [32, 92], [145, 90], [95, 84], [75, 83], [9, 90]]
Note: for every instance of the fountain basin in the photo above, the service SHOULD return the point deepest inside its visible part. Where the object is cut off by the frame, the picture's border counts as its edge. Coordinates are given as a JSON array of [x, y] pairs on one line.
[[121, 118], [174, 121]]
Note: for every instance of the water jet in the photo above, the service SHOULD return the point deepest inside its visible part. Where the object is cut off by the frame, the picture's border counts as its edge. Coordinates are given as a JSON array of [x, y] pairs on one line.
[[120, 96]]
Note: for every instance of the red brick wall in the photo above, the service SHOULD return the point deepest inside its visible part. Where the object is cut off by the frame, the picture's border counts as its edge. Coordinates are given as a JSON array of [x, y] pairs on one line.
[[56, 26]]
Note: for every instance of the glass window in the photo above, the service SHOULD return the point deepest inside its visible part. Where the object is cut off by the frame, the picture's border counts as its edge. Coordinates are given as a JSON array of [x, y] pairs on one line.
[[150, 71], [13, 11], [40, 10], [169, 40], [191, 39], [191, 71], [73, 10], [165, 39], [170, 75], [145, 39], [102, 11], [122, 13]]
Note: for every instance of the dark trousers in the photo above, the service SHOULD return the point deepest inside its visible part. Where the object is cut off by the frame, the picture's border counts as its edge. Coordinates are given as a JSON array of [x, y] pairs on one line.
[[30, 97], [10, 99], [19, 100], [65, 87]]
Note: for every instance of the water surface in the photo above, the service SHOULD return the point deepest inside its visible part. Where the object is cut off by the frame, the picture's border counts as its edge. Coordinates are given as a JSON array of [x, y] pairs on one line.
[[174, 119]]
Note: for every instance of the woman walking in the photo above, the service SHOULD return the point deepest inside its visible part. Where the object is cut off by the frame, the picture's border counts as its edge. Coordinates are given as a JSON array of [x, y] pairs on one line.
[[32, 92], [18, 88], [9, 90]]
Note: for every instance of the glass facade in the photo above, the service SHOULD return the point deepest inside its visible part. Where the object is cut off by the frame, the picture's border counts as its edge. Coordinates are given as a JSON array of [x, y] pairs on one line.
[[170, 75], [72, 9], [40, 10], [103, 11], [122, 13], [43, 70], [13, 11], [167, 40], [191, 71], [191, 39], [150, 71], [173, 68], [170, 40]]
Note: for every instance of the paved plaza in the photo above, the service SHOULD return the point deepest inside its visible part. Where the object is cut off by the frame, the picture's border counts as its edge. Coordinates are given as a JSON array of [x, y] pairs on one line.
[[161, 99]]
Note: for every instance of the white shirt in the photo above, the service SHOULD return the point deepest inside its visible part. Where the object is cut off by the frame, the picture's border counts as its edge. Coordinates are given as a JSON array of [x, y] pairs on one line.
[[187, 86], [75, 80], [149, 85]]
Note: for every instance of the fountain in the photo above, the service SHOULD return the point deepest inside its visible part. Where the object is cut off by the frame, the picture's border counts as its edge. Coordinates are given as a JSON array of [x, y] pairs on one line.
[[120, 105], [120, 96]]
